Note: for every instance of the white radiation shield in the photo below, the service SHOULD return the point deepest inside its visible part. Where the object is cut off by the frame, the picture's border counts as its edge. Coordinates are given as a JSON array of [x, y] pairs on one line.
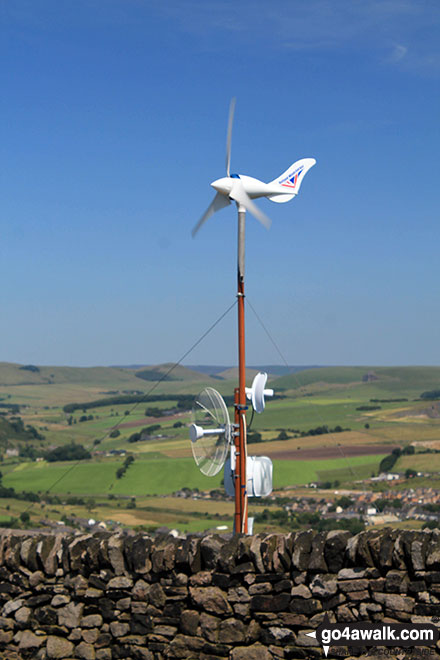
[[259, 476]]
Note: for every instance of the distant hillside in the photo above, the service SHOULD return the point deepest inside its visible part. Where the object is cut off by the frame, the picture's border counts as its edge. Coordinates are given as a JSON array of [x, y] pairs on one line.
[[271, 369], [406, 381], [18, 374], [232, 374], [156, 372], [331, 375], [123, 377], [402, 380]]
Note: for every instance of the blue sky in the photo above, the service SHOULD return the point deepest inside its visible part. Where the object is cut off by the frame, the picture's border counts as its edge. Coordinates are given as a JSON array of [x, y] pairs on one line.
[[113, 119]]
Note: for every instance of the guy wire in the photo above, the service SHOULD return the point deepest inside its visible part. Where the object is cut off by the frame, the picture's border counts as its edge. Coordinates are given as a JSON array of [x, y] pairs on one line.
[[142, 400], [317, 413]]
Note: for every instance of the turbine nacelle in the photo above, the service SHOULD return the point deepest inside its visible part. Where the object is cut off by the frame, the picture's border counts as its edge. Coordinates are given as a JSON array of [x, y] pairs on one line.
[[223, 185], [227, 186]]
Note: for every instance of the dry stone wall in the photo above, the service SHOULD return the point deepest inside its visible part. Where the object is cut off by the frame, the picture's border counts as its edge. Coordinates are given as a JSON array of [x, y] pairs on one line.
[[105, 596]]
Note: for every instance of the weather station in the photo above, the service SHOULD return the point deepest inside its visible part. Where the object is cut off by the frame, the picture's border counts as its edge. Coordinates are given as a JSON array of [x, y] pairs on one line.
[[211, 432]]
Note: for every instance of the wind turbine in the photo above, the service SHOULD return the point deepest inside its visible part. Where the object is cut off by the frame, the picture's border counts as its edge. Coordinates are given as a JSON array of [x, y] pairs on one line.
[[242, 189]]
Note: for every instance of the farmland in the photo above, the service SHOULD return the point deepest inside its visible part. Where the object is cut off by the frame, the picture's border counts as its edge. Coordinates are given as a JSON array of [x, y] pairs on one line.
[[369, 411], [157, 475]]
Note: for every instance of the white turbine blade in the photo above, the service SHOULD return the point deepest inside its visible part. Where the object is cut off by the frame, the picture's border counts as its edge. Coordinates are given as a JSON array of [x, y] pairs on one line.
[[239, 194], [229, 136], [219, 202]]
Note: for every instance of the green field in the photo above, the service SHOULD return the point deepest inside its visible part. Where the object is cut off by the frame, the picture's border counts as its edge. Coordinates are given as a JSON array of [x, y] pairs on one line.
[[161, 476], [306, 413], [147, 476], [419, 462]]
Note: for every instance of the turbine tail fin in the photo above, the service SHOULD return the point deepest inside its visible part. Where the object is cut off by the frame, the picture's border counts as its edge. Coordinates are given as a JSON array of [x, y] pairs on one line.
[[280, 199], [291, 179]]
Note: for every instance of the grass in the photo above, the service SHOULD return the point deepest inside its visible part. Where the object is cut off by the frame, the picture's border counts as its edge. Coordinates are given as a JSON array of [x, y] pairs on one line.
[[171, 448], [347, 439], [403, 434], [185, 505], [156, 475], [351, 471], [305, 413], [419, 462], [145, 476], [288, 473]]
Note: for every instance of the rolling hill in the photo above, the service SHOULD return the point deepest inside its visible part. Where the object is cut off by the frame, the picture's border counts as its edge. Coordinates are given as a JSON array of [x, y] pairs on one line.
[[392, 381], [124, 377], [180, 373], [18, 374]]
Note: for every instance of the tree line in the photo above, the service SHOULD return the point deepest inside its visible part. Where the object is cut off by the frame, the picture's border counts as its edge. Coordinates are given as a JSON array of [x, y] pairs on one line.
[[183, 401]]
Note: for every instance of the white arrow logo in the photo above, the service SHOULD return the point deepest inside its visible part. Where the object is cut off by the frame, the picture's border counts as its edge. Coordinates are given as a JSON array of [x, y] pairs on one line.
[[325, 647]]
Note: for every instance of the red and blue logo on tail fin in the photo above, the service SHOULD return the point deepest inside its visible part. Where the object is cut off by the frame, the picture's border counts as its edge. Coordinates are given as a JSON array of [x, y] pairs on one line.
[[292, 178]]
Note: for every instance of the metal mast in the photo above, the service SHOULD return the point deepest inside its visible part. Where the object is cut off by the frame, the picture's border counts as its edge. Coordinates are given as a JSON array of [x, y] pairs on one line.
[[241, 518]]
